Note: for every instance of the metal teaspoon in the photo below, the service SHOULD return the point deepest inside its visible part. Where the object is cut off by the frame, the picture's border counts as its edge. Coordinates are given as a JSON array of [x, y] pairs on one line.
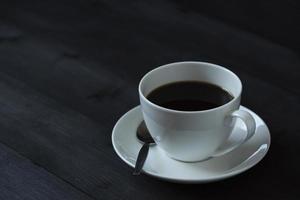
[[144, 136]]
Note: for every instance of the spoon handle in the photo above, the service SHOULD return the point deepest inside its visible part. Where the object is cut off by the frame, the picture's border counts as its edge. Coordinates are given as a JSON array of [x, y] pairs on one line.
[[141, 159]]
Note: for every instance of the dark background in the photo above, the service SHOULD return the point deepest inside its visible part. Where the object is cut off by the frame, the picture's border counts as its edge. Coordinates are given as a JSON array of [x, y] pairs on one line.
[[70, 69]]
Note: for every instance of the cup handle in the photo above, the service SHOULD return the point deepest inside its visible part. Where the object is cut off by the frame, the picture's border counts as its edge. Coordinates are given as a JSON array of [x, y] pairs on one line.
[[249, 121]]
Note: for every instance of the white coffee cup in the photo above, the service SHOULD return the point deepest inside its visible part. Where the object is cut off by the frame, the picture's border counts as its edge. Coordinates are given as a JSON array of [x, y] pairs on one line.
[[193, 135]]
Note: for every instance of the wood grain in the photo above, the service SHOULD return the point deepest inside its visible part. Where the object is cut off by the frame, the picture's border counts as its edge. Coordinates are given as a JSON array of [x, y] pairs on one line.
[[69, 71], [21, 179]]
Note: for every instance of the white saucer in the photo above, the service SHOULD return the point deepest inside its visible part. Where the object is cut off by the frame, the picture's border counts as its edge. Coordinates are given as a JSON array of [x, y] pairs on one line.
[[159, 165]]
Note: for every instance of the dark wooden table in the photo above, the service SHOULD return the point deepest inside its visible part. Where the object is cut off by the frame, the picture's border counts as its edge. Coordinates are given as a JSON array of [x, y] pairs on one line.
[[70, 69]]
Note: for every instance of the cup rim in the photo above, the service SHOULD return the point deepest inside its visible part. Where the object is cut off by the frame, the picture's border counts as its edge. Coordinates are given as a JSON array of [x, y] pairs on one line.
[[188, 112]]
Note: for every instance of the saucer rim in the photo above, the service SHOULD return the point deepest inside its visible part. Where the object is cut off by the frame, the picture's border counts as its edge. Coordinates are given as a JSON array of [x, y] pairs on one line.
[[196, 180]]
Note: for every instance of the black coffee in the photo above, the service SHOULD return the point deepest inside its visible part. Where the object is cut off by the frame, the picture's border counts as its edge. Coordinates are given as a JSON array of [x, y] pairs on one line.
[[189, 96]]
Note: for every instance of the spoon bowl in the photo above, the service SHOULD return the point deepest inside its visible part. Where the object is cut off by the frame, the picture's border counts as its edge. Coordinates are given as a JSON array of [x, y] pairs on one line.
[[144, 137]]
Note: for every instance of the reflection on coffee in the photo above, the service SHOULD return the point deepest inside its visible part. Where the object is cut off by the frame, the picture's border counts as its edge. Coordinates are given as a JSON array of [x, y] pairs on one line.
[[189, 96]]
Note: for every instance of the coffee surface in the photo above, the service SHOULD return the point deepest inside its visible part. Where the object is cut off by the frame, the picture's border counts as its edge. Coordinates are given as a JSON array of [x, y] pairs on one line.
[[189, 96]]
